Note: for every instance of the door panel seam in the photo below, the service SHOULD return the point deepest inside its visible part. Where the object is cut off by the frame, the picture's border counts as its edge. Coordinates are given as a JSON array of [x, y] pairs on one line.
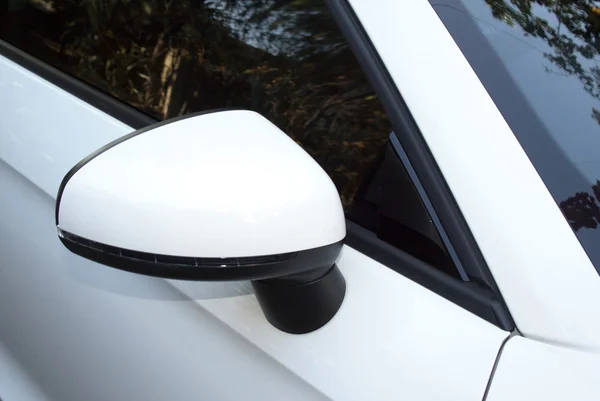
[[496, 362]]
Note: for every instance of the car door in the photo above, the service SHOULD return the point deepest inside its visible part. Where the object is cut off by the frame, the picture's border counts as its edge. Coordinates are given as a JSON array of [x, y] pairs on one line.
[[422, 317]]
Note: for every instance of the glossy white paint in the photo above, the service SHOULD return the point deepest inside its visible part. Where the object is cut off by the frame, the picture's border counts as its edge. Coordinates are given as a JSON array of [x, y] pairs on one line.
[[35, 114], [86, 331], [546, 279], [391, 339], [15, 383], [529, 370], [225, 184]]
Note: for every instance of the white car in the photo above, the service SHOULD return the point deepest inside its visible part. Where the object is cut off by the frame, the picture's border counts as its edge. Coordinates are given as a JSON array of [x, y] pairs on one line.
[[166, 234]]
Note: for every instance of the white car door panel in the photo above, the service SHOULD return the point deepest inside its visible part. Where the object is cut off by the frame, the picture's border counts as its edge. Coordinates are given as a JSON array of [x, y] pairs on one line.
[[46, 131], [15, 382], [84, 331], [529, 370]]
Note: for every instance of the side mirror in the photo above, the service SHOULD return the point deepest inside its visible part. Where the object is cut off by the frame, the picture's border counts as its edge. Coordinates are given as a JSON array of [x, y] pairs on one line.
[[214, 196]]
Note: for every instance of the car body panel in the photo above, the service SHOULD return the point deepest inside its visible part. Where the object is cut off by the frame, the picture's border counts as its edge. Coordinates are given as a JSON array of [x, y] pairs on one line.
[[15, 382], [529, 370], [545, 277], [85, 331], [35, 115]]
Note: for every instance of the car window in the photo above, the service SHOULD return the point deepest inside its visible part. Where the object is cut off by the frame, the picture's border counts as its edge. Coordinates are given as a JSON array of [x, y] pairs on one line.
[[540, 63], [284, 59]]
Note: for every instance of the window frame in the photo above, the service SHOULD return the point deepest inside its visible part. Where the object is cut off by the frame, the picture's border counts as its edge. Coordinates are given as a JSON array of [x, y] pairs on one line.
[[428, 172], [480, 296]]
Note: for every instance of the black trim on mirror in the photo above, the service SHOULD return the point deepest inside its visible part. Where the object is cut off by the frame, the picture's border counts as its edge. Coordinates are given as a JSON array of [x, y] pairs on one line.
[[204, 269], [299, 292]]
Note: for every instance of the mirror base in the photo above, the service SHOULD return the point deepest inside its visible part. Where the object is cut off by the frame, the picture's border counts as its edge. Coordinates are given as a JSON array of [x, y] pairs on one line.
[[301, 304]]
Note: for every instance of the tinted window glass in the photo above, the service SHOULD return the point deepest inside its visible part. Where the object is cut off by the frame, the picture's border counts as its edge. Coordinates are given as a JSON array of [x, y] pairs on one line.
[[388, 203], [283, 59], [540, 62]]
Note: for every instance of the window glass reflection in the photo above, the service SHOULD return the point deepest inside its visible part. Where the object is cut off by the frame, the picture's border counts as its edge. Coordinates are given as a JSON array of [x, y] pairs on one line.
[[540, 62]]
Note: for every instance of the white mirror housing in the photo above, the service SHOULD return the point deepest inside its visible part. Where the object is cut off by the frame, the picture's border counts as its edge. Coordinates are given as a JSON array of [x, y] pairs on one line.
[[223, 195]]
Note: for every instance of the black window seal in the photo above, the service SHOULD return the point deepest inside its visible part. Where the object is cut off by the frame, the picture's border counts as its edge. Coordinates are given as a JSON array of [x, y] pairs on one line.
[[468, 295], [401, 153], [486, 304]]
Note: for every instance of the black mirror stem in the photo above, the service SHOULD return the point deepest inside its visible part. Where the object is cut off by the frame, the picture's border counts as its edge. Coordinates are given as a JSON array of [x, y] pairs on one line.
[[302, 303]]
